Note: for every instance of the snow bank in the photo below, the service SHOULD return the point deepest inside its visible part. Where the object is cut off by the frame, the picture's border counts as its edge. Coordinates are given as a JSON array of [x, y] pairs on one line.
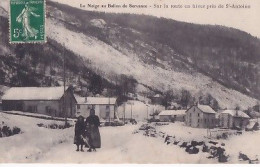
[[37, 115], [183, 132], [33, 142], [246, 143]]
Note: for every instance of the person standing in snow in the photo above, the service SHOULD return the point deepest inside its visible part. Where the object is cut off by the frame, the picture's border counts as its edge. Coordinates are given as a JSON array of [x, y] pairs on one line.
[[93, 123], [79, 132]]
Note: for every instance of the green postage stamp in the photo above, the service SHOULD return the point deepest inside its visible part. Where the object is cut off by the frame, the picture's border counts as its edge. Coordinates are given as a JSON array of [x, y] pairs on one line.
[[27, 21]]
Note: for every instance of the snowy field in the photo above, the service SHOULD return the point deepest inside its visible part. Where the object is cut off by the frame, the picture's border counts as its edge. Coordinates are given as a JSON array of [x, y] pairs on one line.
[[119, 144], [247, 143]]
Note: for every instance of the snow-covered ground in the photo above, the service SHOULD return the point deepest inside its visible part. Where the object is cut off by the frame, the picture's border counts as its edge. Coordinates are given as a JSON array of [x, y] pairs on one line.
[[140, 111], [36, 115], [119, 145], [115, 62], [247, 143]]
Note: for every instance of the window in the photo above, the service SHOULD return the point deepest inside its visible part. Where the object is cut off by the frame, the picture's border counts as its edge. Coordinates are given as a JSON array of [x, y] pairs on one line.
[[198, 114], [198, 120], [78, 106]]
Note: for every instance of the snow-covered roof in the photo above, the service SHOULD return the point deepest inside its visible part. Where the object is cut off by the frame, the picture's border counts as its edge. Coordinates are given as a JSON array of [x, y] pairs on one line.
[[206, 109], [235, 113], [172, 112], [157, 95], [33, 93], [96, 100]]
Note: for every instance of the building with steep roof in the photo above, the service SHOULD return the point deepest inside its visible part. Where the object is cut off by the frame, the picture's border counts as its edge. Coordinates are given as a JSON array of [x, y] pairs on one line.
[[201, 116]]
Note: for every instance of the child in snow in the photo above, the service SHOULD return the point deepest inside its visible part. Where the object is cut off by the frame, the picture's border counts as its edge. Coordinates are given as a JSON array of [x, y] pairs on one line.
[[79, 132]]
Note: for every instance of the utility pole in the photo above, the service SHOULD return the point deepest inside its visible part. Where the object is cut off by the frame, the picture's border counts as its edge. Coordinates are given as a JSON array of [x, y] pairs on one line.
[[124, 112], [109, 109], [131, 111], [64, 88], [147, 111]]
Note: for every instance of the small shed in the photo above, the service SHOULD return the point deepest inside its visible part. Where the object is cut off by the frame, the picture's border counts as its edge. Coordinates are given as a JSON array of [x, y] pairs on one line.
[[233, 119], [172, 115]]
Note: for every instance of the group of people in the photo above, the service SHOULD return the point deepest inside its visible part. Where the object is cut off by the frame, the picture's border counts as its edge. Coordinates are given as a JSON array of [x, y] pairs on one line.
[[87, 132]]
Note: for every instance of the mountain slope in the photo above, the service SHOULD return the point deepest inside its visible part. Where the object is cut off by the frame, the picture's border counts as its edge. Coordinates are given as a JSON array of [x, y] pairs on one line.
[[116, 52], [229, 56]]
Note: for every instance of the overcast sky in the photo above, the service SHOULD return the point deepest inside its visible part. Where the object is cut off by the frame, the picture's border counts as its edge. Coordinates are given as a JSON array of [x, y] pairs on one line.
[[244, 19]]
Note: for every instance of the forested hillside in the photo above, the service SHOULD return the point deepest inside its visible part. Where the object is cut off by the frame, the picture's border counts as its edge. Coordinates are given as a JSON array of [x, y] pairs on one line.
[[116, 54]]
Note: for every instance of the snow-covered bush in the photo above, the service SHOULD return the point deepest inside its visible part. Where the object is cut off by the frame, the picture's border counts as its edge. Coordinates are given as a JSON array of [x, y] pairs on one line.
[[54, 126], [6, 131]]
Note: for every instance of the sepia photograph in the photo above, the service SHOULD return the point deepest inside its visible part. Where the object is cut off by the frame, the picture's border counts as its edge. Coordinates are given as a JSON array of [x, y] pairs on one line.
[[129, 82]]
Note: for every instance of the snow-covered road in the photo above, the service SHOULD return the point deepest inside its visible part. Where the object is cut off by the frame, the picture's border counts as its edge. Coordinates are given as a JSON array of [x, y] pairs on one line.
[[119, 145]]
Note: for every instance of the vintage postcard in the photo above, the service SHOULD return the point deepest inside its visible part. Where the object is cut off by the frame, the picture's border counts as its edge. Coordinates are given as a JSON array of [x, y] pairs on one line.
[[129, 81]]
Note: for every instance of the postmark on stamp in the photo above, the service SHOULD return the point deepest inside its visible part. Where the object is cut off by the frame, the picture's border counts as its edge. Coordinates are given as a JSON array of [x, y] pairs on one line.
[[27, 21]]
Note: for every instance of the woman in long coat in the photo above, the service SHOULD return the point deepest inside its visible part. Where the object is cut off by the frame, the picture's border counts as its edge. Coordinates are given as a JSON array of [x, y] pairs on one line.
[[93, 123], [79, 132]]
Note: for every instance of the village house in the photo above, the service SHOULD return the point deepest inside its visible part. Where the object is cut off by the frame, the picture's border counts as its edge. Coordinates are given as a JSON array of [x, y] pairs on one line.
[[172, 115], [105, 107], [41, 100], [233, 119], [200, 116]]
